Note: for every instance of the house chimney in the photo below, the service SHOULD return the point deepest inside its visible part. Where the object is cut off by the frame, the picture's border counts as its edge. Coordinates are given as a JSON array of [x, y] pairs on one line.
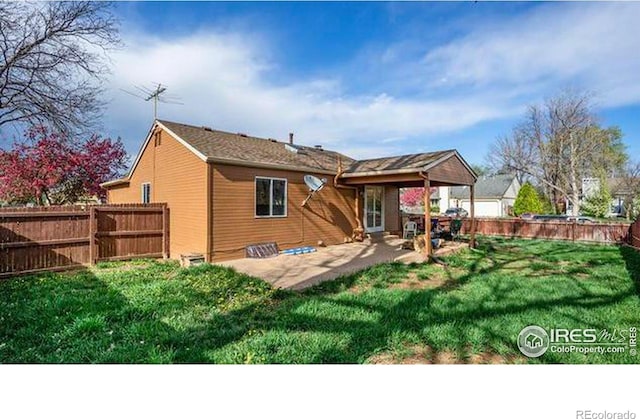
[[291, 138]]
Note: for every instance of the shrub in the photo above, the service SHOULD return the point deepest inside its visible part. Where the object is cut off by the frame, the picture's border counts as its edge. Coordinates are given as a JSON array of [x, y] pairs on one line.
[[527, 200], [598, 204]]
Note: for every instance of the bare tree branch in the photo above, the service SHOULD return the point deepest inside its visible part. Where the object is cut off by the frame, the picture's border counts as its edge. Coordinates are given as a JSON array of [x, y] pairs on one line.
[[53, 61], [558, 144]]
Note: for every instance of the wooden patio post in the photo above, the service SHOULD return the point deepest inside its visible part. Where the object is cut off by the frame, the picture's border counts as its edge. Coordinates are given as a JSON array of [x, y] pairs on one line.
[[427, 215], [472, 240], [400, 220]]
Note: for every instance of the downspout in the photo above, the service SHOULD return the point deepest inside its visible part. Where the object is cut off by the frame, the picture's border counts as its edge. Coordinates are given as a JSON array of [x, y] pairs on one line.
[[358, 233], [209, 209]]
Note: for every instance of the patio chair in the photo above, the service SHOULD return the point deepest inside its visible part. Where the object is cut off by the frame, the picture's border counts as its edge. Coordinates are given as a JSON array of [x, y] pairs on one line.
[[435, 228], [456, 226], [409, 227]]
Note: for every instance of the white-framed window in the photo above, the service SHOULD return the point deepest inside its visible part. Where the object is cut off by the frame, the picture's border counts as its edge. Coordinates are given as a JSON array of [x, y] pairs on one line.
[[270, 197], [146, 193]]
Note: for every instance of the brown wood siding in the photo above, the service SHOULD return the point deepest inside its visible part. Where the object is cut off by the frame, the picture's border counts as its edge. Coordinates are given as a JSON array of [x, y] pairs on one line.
[[179, 178], [117, 192], [451, 171], [329, 216], [391, 208]]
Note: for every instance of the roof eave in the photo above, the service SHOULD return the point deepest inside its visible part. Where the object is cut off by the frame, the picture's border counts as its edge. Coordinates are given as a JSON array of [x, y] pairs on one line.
[[260, 165], [114, 182], [383, 172]]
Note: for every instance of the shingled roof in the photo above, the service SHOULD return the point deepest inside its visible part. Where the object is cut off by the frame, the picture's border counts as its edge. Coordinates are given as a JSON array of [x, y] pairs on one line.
[[241, 149], [405, 162], [215, 145], [486, 187]]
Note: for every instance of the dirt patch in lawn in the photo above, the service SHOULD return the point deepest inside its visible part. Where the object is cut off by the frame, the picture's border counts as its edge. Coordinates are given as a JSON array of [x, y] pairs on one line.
[[437, 277], [440, 277], [419, 354], [414, 282]]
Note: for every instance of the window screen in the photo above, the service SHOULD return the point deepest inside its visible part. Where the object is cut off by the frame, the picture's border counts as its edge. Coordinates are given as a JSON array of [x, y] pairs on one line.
[[146, 193], [271, 197], [263, 188]]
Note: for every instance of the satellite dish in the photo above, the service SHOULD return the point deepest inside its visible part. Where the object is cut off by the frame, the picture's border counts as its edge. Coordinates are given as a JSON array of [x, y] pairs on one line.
[[314, 185]]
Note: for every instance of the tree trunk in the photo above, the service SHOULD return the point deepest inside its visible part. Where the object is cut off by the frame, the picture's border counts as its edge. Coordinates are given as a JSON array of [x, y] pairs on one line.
[[573, 179]]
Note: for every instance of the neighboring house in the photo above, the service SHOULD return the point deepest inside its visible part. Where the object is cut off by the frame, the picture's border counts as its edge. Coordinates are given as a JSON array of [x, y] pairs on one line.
[[226, 191], [440, 198], [590, 186], [494, 196], [620, 194]]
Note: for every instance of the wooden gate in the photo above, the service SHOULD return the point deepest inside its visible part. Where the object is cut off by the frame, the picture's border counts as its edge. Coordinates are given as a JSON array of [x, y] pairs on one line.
[[61, 237]]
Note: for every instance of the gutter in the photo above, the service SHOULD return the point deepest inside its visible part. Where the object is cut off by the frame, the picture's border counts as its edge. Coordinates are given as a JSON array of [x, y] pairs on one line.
[[245, 163], [114, 182], [359, 231], [382, 172]]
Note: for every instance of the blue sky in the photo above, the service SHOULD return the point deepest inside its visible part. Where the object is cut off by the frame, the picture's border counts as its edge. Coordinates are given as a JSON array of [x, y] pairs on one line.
[[373, 79]]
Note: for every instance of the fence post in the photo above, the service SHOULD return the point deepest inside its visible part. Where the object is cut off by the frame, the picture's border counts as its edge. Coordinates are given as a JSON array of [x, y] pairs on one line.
[[573, 231], [92, 235], [165, 232]]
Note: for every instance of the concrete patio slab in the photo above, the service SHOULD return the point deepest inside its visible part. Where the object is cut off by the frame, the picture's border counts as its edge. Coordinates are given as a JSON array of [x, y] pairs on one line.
[[328, 263]]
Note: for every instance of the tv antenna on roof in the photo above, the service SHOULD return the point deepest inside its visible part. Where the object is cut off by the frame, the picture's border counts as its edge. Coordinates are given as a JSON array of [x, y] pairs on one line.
[[156, 94]]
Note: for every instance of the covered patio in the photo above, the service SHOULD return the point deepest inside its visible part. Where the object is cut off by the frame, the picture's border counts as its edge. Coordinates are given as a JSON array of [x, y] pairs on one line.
[[367, 177]]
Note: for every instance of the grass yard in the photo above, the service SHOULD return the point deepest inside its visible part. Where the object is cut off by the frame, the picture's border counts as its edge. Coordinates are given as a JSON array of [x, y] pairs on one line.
[[469, 312]]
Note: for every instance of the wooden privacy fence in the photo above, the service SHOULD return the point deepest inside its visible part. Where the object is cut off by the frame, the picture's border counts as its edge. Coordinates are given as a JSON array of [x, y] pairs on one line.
[[60, 237], [558, 230], [634, 234]]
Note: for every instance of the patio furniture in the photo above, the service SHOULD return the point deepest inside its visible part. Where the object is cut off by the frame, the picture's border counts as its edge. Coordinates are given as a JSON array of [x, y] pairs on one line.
[[409, 227], [456, 226], [436, 228]]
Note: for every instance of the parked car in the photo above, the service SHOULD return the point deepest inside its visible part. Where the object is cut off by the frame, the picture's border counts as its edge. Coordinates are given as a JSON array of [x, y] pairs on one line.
[[581, 219], [527, 216], [550, 217], [456, 212]]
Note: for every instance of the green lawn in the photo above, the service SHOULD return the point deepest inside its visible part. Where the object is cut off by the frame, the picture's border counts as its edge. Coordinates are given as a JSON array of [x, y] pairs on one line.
[[470, 311]]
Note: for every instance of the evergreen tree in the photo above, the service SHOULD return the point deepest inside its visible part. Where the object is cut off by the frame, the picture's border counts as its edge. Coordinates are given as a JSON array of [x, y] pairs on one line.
[[598, 204], [527, 200]]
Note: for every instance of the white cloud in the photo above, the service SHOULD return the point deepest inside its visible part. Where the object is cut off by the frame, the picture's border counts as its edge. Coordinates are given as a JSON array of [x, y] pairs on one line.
[[221, 79], [491, 72], [594, 45]]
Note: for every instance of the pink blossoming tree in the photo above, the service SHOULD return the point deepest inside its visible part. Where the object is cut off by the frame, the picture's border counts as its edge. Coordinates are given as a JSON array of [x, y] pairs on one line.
[[50, 169]]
